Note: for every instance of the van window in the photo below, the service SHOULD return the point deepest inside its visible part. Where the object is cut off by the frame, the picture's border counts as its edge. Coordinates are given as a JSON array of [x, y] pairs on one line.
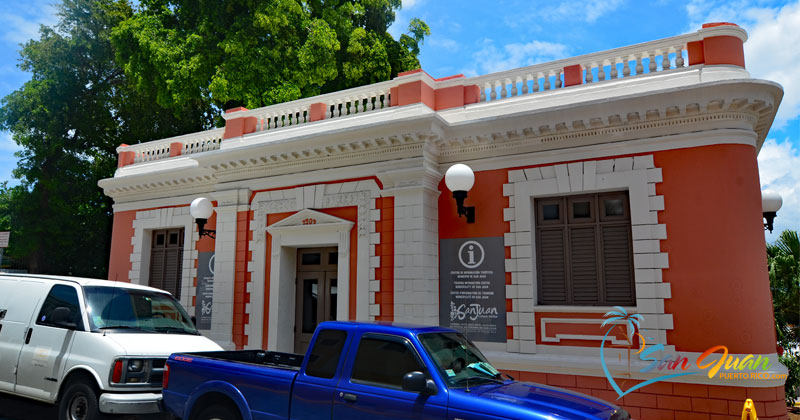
[[384, 360], [325, 355], [136, 311], [61, 296]]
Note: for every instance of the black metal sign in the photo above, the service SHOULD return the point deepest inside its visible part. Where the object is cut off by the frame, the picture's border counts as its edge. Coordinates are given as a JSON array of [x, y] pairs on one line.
[[472, 295], [205, 290]]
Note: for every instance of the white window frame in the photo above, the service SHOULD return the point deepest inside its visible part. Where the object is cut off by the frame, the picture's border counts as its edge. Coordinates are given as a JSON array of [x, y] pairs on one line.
[[639, 176]]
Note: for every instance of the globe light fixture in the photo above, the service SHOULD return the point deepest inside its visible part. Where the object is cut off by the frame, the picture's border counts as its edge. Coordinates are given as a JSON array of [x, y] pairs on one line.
[[201, 209], [771, 202], [459, 179]]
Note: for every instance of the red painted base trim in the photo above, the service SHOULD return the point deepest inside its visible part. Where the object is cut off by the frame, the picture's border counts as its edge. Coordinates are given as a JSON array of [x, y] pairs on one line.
[[667, 400], [241, 277], [385, 250]]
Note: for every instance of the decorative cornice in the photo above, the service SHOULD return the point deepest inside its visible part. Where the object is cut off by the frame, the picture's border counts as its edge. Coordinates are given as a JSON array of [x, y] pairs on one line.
[[592, 131], [501, 128]]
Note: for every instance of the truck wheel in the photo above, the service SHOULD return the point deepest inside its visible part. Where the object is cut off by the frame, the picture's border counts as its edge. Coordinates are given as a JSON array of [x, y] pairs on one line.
[[218, 412], [79, 402]]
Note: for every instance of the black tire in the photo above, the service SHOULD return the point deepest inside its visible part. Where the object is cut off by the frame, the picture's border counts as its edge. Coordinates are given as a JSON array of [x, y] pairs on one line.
[[79, 402], [219, 412]]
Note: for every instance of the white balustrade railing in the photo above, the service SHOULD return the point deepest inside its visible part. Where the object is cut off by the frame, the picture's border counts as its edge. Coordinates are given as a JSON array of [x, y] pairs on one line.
[[339, 104], [629, 61], [160, 149], [624, 62]]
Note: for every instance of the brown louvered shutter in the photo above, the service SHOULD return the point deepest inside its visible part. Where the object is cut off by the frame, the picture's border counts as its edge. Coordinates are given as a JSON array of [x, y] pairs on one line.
[[617, 265], [584, 250], [552, 259], [583, 265], [615, 220], [166, 260]]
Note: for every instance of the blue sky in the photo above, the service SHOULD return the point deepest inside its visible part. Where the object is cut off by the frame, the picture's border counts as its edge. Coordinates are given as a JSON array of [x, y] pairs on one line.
[[478, 37]]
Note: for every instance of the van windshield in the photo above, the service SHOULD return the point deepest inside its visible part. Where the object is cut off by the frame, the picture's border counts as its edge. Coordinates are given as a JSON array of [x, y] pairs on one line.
[[136, 311]]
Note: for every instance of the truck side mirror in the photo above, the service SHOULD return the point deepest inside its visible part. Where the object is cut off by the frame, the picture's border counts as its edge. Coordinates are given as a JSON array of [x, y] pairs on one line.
[[416, 382], [60, 317]]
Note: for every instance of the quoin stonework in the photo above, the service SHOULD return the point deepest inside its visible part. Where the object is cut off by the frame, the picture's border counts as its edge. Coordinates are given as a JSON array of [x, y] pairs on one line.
[[624, 178]]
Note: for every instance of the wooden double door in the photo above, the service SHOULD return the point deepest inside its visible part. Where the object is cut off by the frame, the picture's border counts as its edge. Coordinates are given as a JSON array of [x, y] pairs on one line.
[[316, 292]]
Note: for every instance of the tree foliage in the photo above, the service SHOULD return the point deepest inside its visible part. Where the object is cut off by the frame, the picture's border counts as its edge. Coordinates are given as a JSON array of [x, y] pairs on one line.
[[69, 119], [109, 73], [254, 53], [784, 279]]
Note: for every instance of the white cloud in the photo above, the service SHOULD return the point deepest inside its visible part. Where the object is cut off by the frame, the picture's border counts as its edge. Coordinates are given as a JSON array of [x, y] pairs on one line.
[[588, 11], [7, 159], [489, 58], [441, 42], [770, 51], [22, 24], [779, 170], [407, 4], [7, 145]]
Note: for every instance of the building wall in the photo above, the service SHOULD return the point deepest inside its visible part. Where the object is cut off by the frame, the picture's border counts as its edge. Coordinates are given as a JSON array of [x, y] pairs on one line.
[[119, 264], [715, 240]]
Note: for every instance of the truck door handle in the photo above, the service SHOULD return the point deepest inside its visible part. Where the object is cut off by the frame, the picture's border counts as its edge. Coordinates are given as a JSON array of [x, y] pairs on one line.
[[348, 396], [28, 335]]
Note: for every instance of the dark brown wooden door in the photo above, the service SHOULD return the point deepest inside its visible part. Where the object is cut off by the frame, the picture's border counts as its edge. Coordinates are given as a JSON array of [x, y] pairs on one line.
[[316, 293], [166, 260]]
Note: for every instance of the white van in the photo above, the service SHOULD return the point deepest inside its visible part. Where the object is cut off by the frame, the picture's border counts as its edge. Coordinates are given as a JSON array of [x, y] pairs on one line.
[[90, 346]]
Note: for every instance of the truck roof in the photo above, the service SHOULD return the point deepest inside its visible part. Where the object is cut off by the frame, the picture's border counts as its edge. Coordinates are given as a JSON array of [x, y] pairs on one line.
[[389, 327], [84, 281]]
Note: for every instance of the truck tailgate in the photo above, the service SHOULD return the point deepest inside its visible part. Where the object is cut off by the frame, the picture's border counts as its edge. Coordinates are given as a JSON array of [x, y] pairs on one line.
[[261, 388]]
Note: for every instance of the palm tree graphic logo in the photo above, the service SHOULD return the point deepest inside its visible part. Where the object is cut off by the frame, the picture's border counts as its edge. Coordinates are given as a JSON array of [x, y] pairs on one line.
[[619, 318]]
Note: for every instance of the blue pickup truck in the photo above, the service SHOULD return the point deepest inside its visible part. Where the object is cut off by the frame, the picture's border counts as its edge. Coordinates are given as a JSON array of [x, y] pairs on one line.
[[356, 370]]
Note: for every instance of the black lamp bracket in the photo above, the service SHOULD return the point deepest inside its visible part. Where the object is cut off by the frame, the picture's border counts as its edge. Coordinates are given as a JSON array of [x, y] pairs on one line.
[[770, 217], [468, 212], [201, 223]]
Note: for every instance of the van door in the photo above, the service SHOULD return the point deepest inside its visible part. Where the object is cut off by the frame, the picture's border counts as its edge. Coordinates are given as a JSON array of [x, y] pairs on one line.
[[19, 298], [46, 348]]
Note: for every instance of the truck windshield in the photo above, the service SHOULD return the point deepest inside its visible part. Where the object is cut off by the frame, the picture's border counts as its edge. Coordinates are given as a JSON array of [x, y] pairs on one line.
[[458, 360], [136, 311]]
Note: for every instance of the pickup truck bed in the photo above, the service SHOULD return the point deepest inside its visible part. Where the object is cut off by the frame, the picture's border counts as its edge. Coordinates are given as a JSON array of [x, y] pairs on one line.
[[256, 357]]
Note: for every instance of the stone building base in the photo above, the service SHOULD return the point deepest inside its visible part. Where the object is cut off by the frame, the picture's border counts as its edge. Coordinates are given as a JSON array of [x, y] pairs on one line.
[[670, 400]]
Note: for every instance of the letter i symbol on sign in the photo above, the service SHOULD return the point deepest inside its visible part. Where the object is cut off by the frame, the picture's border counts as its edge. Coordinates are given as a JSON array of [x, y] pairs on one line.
[[471, 254]]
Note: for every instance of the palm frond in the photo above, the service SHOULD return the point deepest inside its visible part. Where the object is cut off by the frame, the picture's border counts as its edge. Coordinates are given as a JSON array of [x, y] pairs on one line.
[[611, 320]]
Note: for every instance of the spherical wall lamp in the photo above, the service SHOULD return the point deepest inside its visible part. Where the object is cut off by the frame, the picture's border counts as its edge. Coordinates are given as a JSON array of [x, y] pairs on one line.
[[459, 179], [201, 209]]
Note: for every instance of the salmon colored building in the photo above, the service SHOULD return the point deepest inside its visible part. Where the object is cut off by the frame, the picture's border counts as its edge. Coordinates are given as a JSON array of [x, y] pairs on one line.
[[624, 178]]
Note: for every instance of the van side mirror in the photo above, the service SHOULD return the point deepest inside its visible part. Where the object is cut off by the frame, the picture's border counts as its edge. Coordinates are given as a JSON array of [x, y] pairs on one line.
[[416, 382], [60, 317]]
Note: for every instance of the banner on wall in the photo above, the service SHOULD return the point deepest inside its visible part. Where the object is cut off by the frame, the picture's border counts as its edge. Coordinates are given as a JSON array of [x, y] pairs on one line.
[[472, 294], [205, 290]]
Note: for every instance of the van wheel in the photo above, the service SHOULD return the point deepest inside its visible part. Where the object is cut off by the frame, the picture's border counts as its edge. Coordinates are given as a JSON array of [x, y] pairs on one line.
[[79, 402], [219, 412]]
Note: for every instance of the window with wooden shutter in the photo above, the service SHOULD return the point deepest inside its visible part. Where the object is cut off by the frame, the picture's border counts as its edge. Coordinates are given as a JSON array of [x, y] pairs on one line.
[[166, 260], [584, 253]]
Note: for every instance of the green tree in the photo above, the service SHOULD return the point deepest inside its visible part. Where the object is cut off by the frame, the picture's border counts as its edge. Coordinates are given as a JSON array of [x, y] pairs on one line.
[[69, 119], [784, 278], [252, 53]]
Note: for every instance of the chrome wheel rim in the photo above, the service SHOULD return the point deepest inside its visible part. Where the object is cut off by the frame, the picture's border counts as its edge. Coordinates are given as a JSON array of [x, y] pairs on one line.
[[78, 407]]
